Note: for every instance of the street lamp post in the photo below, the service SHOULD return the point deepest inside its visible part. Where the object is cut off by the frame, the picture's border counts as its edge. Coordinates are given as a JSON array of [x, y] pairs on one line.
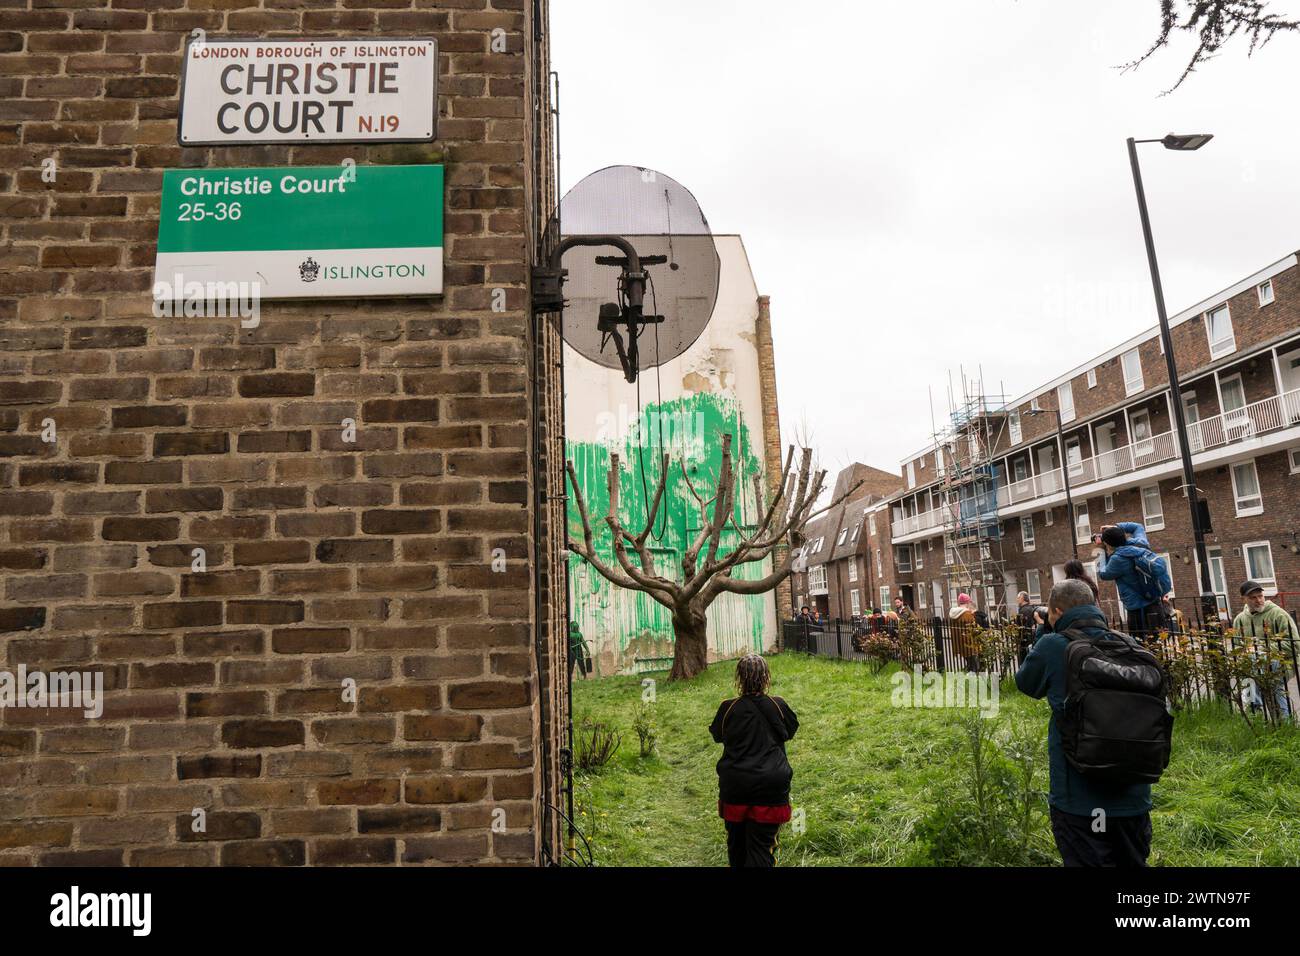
[[1065, 473], [1209, 606]]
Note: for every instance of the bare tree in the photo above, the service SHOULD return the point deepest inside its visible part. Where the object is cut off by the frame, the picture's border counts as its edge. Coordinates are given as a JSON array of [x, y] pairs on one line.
[[1215, 22], [706, 572]]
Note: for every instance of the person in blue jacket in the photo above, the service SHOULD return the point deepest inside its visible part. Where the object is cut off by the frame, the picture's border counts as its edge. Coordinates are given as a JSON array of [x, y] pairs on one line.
[[1095, 823], [1141, 575]]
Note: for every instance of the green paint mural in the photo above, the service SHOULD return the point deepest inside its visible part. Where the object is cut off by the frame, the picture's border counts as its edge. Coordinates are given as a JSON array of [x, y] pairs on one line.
[[621, 625]]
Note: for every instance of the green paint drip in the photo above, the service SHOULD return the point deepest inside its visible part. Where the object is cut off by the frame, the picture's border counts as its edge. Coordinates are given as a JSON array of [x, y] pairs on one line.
[[619, 624]]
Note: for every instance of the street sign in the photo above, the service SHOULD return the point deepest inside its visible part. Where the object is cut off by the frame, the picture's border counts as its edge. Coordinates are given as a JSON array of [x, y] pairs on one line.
[[302, 232], [377, 90]]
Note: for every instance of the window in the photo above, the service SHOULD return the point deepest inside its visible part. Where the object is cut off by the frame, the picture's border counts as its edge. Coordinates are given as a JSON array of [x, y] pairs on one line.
[[1110, 503], [843, 535], [1020, 467], [1132, 362], [1082, 526], [1027, 532], [1033, 404], [1049, 516], [1065, 401], [903, 557], [853, 570], [921, 594], [1031, 585], [1153, 512], [817, 579], [911, 475], [1259, 564], [920, 557], [1218, 327], [855, 603], [1265, 290], [1293, 456], [1013, 424], [879, 570], [855, 533], [1169, 566], [929, 544], [1092, 378], [1245, 488], [949, 557], [884, 596], [871, 525], [938, 461]]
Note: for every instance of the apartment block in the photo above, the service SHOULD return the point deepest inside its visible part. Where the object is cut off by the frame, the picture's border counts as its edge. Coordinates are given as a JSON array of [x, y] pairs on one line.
[[985, 508], [844, 556]]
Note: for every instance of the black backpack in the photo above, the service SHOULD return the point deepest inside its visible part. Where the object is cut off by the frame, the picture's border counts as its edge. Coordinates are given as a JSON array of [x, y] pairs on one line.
[[1116, 725]]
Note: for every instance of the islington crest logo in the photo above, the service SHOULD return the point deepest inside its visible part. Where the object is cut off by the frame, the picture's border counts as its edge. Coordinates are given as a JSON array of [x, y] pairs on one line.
[[309, 270]]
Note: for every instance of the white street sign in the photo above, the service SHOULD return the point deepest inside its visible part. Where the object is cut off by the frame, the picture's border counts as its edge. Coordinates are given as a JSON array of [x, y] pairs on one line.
[[308, 91]]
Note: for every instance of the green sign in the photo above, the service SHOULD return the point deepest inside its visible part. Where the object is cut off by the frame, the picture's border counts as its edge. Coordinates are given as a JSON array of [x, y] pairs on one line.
[[302, 232]]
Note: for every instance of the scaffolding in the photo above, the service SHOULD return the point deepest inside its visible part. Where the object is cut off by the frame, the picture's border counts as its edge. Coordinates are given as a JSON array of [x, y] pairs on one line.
[[968, 488]]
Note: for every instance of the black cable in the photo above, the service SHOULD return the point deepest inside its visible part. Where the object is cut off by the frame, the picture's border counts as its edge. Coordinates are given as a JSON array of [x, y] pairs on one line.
[[659, 396]]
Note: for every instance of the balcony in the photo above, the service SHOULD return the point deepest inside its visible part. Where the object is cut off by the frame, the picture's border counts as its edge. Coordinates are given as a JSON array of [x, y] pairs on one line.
[[922, 522], [1271, 414], [1234, 426]]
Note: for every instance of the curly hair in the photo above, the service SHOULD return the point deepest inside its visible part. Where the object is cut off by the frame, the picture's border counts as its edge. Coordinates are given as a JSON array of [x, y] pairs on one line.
[[752, 675]]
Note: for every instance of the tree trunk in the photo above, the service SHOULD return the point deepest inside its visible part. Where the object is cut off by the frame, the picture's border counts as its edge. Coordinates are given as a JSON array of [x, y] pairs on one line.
[[690, 643]]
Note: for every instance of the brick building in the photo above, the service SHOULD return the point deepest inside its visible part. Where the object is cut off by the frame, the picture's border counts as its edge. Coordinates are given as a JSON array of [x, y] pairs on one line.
[[844, 558], [1238, 357], [416, 564]]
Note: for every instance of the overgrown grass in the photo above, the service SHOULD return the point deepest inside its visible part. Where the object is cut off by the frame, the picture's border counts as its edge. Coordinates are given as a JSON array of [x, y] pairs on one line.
[[872, 779]]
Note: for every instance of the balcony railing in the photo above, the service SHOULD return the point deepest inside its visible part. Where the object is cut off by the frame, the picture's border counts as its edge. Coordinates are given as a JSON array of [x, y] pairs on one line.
[[1235, 425], [1239, 424], [921, 522]]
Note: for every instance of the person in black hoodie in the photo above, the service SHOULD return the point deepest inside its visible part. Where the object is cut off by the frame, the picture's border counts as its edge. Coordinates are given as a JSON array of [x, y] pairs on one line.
[[753, 774]]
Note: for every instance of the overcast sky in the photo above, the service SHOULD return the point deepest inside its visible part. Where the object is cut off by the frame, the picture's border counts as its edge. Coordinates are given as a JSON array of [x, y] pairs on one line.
[[918, 197]]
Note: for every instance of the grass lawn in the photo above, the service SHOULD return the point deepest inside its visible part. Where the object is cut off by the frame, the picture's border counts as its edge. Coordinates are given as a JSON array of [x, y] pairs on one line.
[[882, 785]]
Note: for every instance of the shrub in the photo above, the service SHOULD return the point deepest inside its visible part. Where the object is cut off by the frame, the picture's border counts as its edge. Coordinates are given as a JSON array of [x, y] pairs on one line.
[[996, 821], [597, 744]]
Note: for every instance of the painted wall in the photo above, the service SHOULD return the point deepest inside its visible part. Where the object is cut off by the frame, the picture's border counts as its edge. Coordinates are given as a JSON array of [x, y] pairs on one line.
[[710, 390]]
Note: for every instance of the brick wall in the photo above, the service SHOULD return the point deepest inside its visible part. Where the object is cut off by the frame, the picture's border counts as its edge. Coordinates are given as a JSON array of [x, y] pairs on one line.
[[773, 453], [325, 562]]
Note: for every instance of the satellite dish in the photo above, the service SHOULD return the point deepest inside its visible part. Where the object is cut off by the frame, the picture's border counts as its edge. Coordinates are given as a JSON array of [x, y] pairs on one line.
[[638, 266]]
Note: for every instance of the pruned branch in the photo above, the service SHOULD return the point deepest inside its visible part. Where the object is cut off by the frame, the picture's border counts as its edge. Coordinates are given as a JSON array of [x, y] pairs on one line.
[[1215, 22]]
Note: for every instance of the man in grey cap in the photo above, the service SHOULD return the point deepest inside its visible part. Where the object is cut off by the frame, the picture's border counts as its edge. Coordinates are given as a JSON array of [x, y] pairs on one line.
[[1272, 627]]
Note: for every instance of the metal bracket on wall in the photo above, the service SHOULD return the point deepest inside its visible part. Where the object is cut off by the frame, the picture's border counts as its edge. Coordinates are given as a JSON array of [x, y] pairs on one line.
[[548, 289]]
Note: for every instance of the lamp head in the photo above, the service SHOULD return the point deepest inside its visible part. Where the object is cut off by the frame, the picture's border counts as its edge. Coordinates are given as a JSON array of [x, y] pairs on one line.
[[1186, 141]]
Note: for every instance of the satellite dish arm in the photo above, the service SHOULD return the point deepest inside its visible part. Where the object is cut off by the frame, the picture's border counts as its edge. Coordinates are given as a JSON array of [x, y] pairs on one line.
[[634, 283]]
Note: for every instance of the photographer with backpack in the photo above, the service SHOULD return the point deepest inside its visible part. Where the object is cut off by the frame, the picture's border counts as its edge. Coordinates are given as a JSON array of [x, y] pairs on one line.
[[1110, 732], [1141, 575]]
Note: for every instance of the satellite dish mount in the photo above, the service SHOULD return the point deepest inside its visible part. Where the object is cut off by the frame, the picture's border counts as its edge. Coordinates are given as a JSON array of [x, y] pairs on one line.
[[614, 319]]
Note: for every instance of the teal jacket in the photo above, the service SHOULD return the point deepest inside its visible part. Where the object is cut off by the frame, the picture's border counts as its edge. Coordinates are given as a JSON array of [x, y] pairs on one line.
[[1043, 675]]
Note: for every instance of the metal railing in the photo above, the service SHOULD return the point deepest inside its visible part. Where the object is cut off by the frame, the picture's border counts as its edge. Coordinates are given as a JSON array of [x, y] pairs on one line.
[[1240, 424], [1250, 673]]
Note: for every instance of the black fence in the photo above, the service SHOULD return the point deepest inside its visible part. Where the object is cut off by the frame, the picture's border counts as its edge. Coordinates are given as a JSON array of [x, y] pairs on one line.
[[1256, 675], [936, 644]]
